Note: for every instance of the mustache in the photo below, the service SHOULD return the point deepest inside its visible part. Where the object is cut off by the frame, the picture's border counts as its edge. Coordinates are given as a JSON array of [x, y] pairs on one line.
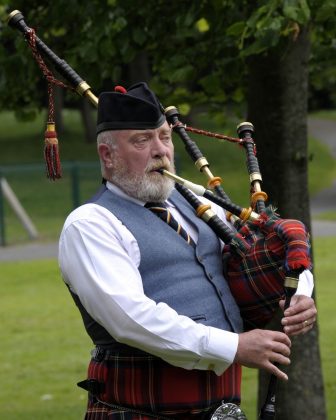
[[163, 163]]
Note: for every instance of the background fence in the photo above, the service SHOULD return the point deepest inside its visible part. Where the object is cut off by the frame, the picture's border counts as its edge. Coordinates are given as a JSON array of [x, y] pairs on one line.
[[46, 202]]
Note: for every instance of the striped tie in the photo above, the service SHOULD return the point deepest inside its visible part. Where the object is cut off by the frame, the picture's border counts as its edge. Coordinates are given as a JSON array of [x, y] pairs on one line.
[[164, 214]]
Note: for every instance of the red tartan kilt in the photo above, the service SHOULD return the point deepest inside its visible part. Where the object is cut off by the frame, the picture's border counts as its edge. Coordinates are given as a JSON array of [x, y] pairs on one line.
[[148, 384]]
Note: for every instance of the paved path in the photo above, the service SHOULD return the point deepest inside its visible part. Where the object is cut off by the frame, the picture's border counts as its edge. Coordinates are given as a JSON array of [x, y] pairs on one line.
[[30, 251], [324, 201], [37, 250], [323, 130]]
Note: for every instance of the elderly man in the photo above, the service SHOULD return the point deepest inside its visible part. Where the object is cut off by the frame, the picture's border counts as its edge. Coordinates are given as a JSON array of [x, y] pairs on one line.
[[168, 334]]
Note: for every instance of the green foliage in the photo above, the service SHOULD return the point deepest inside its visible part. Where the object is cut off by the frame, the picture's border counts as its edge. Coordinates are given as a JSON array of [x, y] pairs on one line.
[[198, 46], [323, 54]]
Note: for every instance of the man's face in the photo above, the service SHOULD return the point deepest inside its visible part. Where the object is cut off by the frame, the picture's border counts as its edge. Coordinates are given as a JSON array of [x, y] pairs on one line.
[[135, 158], [138, 149]]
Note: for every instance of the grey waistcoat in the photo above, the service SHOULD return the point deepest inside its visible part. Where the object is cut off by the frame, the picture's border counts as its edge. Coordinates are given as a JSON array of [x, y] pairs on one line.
[[189, 280]]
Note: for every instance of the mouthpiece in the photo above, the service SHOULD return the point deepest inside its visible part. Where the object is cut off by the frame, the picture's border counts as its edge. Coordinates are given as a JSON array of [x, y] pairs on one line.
[[197, 189]]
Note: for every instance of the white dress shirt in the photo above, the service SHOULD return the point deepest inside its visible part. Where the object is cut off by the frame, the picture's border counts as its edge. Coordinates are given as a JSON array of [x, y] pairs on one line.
[[99, 259]]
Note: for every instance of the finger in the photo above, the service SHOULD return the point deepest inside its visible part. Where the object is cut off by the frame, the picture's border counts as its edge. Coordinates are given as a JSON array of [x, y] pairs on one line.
[[270, 367], [280, 359], [301, 326], [299, 329], [304, 331], [299, 304], [309, 315], [281, 348], [280, 338], [299, 309]]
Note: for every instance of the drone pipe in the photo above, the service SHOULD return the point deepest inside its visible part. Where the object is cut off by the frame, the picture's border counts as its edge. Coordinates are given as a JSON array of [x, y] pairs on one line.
[[16, 20]]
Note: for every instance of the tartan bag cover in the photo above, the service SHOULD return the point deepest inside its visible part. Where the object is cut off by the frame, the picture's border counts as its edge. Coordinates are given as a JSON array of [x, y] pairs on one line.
[[259, 258], [146, 383]]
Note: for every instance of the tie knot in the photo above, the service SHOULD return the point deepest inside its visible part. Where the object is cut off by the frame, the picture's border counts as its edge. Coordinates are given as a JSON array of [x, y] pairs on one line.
[[153, 206]]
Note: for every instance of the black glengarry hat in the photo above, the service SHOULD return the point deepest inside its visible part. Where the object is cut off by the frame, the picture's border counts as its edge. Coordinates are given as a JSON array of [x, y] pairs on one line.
[[135, 109]]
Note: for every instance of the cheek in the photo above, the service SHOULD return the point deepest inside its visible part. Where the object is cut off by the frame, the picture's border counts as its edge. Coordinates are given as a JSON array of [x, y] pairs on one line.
[[137, 162], [171, 152]]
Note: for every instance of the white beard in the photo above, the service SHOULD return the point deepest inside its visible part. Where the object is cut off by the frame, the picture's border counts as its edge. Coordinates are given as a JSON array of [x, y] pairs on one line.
[[150, 187]]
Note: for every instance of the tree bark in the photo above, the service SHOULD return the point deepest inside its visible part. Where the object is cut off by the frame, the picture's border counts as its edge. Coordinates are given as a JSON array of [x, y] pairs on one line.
[[277, 106], [58, 107], [88, 120], [139, 69]]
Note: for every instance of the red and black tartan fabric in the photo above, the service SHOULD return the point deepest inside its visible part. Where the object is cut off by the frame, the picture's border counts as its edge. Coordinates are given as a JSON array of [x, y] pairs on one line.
[[148, 384], [257, 261]]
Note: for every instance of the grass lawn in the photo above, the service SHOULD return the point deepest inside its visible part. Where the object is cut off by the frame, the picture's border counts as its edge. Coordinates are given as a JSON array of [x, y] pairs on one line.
[[329, 114], [328, 216], [44, 349]]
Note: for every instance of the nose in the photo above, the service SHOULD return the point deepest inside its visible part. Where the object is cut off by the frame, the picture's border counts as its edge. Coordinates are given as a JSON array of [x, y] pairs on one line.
[[158, 148]]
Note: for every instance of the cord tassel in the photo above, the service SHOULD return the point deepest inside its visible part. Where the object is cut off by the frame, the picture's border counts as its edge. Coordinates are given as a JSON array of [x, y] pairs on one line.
[[51, 153]]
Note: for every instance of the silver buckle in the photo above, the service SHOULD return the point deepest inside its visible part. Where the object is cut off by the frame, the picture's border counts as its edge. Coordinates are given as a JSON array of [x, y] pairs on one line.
[[228, 411]]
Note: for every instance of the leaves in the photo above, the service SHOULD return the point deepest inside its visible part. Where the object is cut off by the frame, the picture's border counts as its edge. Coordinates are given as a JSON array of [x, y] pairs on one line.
[[200, 46], [202, 25], [236, 29], [297, 10]]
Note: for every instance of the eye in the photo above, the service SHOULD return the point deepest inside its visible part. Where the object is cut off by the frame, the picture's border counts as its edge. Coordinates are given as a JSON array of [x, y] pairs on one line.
[[140, 141], [166, 139]]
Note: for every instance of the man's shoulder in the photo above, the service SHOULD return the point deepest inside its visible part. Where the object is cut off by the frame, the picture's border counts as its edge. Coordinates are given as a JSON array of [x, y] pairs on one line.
[[102, 189], [89, 211]]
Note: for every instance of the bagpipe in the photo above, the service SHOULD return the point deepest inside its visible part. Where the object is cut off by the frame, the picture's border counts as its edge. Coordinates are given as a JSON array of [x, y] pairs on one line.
[[263, 254]]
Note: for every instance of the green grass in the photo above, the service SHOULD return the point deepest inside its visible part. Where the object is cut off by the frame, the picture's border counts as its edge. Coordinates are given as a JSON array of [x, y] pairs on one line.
[[23, 142], [328, 215], [324, 249], [49, 202], [43, 346], [44, 350], [325, 114], [321, 167]]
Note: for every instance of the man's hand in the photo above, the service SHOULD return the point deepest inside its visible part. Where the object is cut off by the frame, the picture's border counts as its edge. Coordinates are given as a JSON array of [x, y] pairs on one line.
[[262, 348], [300, 317]]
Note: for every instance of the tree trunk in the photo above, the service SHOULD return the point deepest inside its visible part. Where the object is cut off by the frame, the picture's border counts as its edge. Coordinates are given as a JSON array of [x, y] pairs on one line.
[[139, 69], [88, 121], [58, 107], [277, 106]]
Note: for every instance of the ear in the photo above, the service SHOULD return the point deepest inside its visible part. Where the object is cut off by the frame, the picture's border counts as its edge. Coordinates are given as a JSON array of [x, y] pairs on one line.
[[105, 153]]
